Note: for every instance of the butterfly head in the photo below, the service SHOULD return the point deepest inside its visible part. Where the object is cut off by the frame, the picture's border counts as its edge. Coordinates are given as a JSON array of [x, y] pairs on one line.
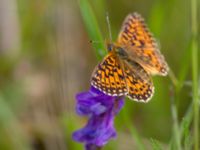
[[110, 47], [117, 49]]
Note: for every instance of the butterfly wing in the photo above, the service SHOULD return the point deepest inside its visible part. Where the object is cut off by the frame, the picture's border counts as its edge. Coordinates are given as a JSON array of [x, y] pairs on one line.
[[108, 76], [139, 83], [141, 46]]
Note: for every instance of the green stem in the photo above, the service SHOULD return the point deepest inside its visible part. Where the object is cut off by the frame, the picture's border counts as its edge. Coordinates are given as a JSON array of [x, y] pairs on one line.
[[195, 72], [175, 121], [173, 78], [187, 116]]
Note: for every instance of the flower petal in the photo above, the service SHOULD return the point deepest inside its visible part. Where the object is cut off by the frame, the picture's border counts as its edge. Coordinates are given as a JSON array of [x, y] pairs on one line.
[[101, 110]]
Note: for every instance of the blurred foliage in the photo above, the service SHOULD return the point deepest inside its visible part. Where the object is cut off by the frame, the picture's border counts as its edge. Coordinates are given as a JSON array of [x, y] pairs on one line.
[[46, 58]]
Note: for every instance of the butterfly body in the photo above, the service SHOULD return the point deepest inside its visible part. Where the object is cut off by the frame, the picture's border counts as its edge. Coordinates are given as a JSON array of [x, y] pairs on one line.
[[118, 50], [130, 62]]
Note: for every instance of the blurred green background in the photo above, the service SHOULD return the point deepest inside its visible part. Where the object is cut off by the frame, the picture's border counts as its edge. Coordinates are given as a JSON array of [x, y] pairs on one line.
[[46, 58]]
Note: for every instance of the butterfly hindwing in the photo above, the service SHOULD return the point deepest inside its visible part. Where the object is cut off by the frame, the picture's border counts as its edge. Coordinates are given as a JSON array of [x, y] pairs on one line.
[[108, 76], [139, 83], [141, 46]]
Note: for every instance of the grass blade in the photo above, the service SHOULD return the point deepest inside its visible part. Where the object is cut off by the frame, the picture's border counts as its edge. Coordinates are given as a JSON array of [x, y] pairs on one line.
[[186, 134], [92, 27]]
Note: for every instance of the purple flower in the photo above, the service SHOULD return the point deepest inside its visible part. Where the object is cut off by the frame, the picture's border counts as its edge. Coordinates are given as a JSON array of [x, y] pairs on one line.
[[101, 110]]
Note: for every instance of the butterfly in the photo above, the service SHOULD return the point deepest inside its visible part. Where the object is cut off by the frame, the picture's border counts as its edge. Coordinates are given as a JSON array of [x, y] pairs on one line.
[[131, 61]]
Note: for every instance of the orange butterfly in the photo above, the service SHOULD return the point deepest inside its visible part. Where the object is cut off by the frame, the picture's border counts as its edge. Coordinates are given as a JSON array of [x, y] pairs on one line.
[[129, 63]]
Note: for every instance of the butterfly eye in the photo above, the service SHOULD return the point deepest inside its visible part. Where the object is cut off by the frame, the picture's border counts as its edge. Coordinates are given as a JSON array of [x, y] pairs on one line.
[[109, 47]]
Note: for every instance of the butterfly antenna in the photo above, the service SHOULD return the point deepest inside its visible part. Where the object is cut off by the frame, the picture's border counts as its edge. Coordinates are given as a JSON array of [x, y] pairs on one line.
[[109, 27]]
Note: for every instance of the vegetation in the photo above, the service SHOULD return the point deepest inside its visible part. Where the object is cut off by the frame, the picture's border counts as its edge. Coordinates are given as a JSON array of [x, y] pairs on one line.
[[46, 57]]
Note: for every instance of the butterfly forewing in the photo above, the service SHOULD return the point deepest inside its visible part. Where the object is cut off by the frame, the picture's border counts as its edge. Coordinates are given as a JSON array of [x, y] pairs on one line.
[[108, 76], [141, 46], [139, 83], [135, 32]]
